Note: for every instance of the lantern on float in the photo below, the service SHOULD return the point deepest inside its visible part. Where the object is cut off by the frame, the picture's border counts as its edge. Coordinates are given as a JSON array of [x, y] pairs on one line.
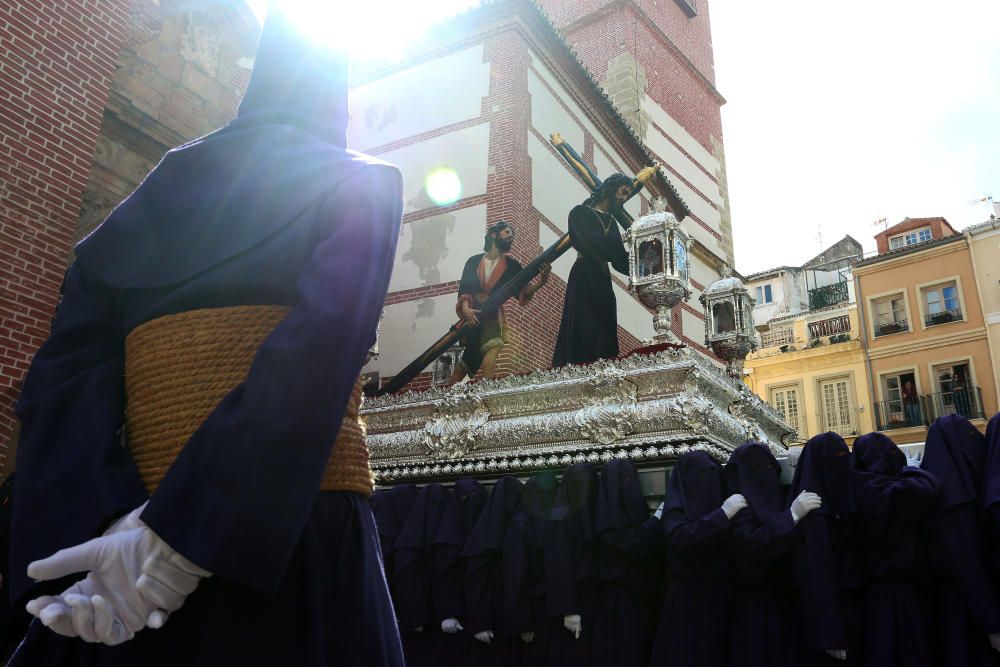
[[729, 330]]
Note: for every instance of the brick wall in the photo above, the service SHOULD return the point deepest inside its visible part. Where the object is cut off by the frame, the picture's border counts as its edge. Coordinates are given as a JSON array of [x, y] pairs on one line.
[[56, 62], [940, 228]]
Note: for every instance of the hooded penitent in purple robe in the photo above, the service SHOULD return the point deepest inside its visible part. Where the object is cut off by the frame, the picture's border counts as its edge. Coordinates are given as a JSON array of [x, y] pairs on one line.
[[628, 545], [524, 568], [826, 567], [893, 502], [413, 569], [571, 570], [763, 536], [391, 507], [694, 620], [270, 210], [465, 504], [485, 581], [991, 493], [968, 601]]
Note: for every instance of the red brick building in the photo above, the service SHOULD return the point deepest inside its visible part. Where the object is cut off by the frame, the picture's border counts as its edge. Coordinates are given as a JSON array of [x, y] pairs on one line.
[[912, 231]]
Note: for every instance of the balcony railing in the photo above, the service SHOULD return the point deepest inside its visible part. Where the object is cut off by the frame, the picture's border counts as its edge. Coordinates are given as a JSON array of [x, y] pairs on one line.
[[923, 410], [886, 328], [829, 295], [777, 337], [943, 317], [901, 414], [967, 402], [830, 327]]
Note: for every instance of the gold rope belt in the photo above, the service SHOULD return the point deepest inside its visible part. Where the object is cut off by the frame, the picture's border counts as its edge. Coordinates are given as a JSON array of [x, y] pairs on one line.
[[179, 367]]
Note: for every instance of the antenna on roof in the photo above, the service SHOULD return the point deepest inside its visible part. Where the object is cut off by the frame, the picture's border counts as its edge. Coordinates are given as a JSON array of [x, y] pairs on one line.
[[882, 221], [819, 236], [984, 199]]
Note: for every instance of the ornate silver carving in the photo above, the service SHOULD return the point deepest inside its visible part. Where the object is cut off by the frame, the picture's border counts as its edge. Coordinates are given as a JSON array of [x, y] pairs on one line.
[[452, 433], [645, 407], [610, 407]]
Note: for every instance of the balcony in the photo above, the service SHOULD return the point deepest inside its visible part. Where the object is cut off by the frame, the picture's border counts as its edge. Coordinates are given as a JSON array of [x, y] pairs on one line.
[[777, 338], [829, 295], [895, 414], [967, 402], [833, 326], [886, 328], [898, 414], [945, 316]]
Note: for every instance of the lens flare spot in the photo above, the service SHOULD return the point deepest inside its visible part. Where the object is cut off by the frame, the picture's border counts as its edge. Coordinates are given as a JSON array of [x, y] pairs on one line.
[[443, 186]]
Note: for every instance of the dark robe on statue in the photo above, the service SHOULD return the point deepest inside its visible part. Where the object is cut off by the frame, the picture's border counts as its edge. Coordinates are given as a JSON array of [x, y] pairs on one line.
[[272, 209], [571, 570], [764, 535], [485, 581], [412, 574], [589, 327], [465, 504], [991, 493], [629, 542], [826, 566], [475, 286], [893, 501], [968, 601], [695, 617]]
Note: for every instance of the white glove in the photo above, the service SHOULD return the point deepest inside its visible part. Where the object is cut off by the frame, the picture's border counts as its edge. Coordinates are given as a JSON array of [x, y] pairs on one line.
[[995, 641], [132, 574], [451, 626], [804, 503], [733, 504], [486, 636], [572, 621], [914, 461], [528, 637], [659, 511], [837, 653]]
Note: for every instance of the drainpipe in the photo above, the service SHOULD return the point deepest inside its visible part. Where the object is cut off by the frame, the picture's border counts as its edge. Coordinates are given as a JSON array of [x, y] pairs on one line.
[[859, 302]]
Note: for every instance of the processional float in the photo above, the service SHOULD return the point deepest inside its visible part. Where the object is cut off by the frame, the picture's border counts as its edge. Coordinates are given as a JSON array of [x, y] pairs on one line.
[[650, 406]]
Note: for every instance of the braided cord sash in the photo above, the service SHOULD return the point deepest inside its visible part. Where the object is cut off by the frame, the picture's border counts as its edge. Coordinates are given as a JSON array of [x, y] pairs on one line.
[[179, 367]]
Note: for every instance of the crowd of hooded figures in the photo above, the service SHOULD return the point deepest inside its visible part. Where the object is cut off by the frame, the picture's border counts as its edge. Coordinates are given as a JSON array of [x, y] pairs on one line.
[[866, 559]]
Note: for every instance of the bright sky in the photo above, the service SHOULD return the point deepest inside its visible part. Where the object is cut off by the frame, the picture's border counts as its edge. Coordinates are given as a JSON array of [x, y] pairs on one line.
[[841, 113]]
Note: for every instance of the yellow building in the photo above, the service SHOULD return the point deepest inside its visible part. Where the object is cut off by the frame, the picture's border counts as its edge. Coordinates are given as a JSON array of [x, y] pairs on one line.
[[985, 245], [811, 368], [922, 320]]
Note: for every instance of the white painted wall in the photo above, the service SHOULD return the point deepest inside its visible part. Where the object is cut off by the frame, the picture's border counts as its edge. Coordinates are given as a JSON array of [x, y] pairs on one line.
[[433, 250], [409, 102], [410, 328], [466, 151]]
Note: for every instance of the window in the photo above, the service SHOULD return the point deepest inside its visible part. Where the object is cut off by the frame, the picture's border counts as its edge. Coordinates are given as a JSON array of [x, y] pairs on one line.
[[955, 391], [910, 238], [786, 401], [764, 294], [890, 315], [901, 406], [942, 304], [836, 406]]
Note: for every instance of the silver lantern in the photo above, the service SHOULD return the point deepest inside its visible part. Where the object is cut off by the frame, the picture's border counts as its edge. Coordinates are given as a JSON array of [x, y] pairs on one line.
[[729, 330], [659, 273]]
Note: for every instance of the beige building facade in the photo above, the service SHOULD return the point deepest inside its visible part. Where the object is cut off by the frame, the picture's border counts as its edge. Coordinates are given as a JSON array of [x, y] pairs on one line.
[[984, 243], [928, 349]]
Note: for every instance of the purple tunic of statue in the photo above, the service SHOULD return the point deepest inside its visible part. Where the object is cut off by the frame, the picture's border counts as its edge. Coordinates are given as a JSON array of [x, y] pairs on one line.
[[297, 572], [893, 501], [968, 601], [413, 569], [629, 542], [826, 560], [571, 570], [991, 493], [485, 582], [764, 535], [465, 505], [695, 616]]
